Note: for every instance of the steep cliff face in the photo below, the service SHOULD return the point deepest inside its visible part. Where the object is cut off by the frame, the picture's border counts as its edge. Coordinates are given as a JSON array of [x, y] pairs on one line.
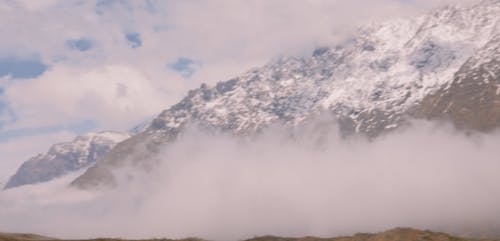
[[472, 99], [64, 158], [372, 83]]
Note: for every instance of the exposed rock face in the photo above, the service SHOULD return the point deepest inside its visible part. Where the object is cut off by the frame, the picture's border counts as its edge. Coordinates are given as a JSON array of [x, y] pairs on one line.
[[443, 65], [64, 158], [472, 100]]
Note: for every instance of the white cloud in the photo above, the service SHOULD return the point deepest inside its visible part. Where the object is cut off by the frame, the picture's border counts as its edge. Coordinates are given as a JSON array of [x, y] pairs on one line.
[[115, 97], [37, 5]]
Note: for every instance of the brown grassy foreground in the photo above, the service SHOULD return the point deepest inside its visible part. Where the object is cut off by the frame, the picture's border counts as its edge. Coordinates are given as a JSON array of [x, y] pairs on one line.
[[33, 237], [398, 234]]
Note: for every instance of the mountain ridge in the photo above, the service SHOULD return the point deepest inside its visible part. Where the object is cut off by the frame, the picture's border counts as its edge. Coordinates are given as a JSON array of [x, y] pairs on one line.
[[373, 83]]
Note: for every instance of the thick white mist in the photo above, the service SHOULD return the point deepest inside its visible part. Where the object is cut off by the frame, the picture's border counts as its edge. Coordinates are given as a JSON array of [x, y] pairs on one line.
[[317, 183]]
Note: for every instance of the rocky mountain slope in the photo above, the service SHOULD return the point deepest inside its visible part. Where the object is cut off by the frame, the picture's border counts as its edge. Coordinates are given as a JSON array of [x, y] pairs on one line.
[[443, 65], [472, 99], [64, 158]]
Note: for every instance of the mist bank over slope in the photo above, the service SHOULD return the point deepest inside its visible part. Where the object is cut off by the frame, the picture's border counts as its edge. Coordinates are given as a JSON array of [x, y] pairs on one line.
[[224, 187]]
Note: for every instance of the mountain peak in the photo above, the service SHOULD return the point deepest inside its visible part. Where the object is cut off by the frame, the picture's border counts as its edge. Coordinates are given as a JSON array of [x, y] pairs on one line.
[[369, 84], [66, 157]]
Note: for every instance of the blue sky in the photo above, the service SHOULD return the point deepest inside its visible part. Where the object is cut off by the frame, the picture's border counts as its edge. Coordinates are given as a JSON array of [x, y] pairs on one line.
[[134, 40], [185, 66], [21, 68], [81, 44], [68, 67]]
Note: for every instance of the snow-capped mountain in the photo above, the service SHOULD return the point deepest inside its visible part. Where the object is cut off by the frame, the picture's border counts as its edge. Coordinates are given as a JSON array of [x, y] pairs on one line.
[[387, 73], [64, 158]]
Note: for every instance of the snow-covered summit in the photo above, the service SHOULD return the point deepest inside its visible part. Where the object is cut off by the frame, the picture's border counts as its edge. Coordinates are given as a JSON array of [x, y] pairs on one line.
[[388, 67], [63, 158]]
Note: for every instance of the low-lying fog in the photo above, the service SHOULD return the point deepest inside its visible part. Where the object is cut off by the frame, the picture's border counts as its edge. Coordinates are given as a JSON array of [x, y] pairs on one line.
[[223, 188]]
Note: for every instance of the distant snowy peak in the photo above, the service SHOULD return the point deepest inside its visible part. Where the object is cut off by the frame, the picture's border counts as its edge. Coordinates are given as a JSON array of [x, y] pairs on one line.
[[384, 74], [66, 157]]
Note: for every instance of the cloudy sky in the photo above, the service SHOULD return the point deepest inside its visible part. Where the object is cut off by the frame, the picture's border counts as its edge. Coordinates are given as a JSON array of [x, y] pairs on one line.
[[74, 66]]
